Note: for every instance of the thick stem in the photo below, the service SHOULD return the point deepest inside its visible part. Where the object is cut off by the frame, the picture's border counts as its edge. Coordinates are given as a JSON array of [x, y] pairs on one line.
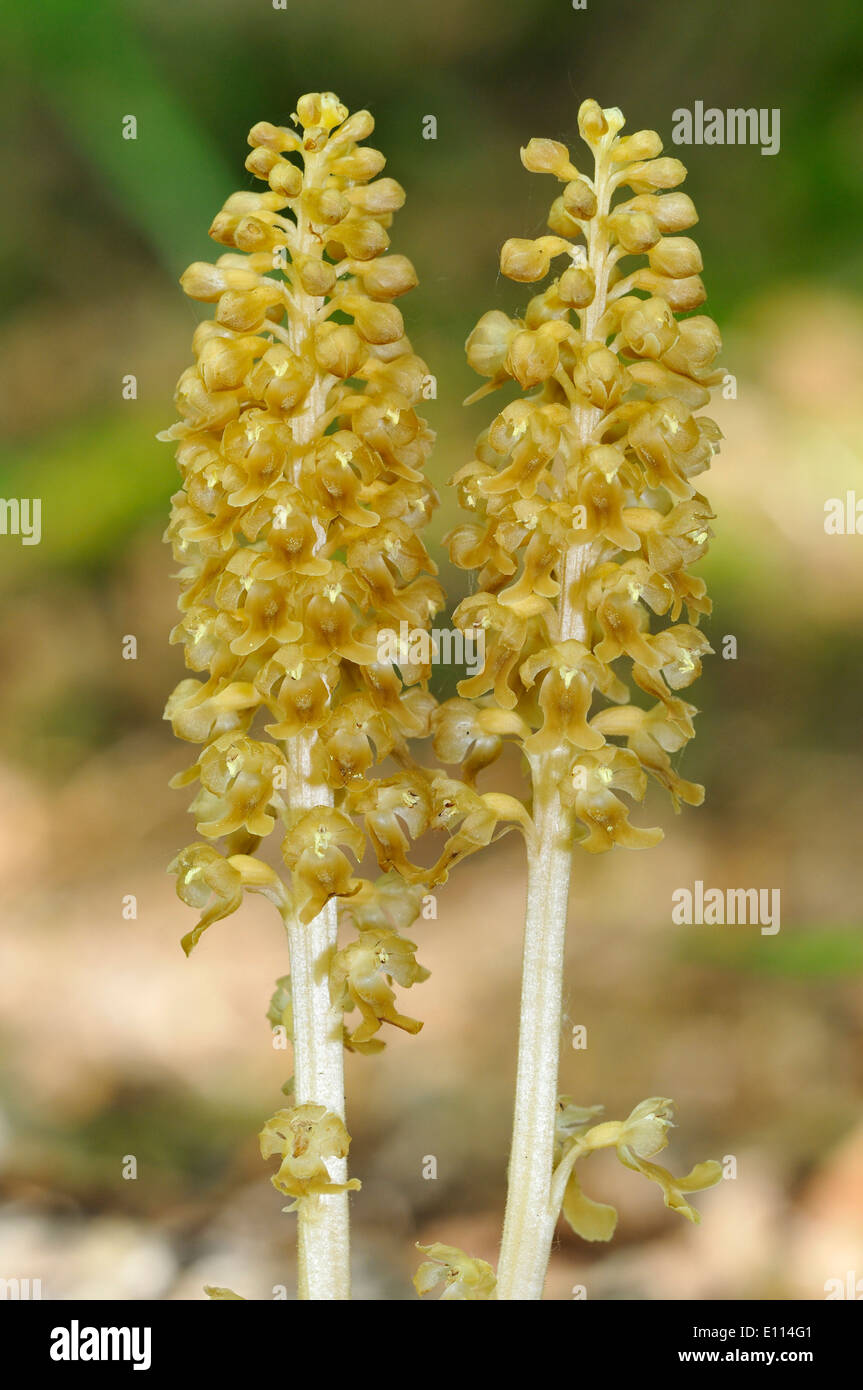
[[323, 1235], [530, 1219]]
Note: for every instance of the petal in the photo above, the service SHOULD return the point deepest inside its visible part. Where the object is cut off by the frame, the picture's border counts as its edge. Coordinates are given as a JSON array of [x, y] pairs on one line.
[[590, 1220]]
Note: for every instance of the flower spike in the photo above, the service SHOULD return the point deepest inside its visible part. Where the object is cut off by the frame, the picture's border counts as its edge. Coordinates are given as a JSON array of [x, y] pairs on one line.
[[297, 532], [583, 521]]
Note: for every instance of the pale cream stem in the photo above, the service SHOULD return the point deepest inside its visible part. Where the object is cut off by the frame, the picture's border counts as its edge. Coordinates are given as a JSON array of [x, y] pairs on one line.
[[529, 1221], [323, 1247], [531, 1214]]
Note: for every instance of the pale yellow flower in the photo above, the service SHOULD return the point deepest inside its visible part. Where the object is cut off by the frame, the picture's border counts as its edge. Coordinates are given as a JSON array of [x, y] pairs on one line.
[[464, 1277], [638, 1138]]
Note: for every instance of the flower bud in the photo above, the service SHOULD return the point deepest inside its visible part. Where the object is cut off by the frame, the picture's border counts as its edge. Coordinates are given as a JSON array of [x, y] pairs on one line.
[[646, 175], [637, 232], [317, 277], [378, 323], [224, 362], [526, 261], [562, 222], [382, 196], [577, 287], [208, 282], [681, 295], [358, 126], [676, 256], [592, 124], [545, 307], [246, 310], [286, 178], [547, 157], [240, 206], [262, 160], [388, 277], [579, 199], [339, 349], [488, 344], [252, 234], [642, 144], [324, 207], [673, 212], [358, 166], [532, 358], [249, 202], [360, 238], [271, 137]]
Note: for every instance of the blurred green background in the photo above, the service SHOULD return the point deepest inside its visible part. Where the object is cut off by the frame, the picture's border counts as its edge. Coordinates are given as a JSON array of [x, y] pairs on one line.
[[110, 1043]]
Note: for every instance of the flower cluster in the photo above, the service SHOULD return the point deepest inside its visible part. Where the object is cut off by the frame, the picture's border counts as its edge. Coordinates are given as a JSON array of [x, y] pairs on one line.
[[585, 518], [298, 535], [636, 1140], [298, 525], [362, 973]]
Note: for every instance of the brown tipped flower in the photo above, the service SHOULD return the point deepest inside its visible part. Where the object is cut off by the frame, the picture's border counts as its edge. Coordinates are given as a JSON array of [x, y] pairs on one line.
[[584, 515]]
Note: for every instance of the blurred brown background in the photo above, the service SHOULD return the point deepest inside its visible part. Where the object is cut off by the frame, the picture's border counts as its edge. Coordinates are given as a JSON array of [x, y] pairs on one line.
[[111, 1044]]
